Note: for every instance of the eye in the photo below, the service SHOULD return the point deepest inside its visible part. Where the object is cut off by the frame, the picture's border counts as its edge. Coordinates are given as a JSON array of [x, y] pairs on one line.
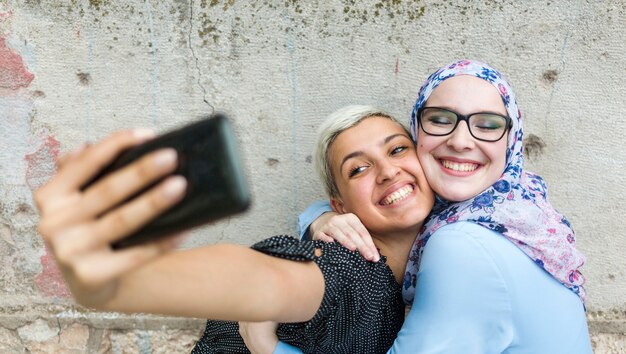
[[488, 122], [439, 120], [439, 117], [398, 149], [356, 170]]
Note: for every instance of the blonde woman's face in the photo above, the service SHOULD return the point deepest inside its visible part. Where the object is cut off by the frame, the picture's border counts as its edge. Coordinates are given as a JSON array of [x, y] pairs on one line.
[[379, 177]]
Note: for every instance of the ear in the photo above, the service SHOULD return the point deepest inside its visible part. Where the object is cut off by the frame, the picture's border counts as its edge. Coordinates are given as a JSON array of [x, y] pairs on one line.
[[337, 205]]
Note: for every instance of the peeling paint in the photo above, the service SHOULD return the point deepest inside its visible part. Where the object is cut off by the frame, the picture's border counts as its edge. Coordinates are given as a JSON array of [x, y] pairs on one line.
[[4, 16], [13, 73], [15, 110], [50, 281], [41, 164]]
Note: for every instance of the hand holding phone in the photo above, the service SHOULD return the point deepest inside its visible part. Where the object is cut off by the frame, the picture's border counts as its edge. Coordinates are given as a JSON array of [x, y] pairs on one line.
[[208, 158]]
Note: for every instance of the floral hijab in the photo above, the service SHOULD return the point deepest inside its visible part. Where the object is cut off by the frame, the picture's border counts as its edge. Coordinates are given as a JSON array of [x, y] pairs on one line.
[[516, 206]]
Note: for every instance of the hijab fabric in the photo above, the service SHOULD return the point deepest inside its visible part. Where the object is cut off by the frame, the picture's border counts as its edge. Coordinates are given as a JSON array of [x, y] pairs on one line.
[[515, 206]]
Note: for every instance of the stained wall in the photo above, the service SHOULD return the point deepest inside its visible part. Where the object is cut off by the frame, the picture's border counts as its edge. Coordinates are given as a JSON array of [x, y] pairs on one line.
[[76, 70]]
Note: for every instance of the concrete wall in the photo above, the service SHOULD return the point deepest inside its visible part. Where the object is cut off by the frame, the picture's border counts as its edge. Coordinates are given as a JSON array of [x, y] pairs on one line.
[[75, 70]]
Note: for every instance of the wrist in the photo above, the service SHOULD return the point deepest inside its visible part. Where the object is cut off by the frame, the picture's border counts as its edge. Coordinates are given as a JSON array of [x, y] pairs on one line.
[[320, 221], [101, 299]]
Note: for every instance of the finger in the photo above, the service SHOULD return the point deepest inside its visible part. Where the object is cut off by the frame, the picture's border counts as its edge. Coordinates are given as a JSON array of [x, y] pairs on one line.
[[82, 240], [360, 245], [122, 184], [133, 215], [366, 239], [111, 191], [339, 236], [79, 169], [322, 237], [61, 160], [77, 172]]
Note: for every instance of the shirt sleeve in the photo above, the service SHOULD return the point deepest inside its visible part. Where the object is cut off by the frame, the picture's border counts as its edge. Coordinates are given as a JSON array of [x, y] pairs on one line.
[[284, 348], [311, 213], [461, 303]]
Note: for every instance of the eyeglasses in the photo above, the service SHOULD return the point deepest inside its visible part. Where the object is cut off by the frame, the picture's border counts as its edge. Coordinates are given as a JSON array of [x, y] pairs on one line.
[[482, 126]]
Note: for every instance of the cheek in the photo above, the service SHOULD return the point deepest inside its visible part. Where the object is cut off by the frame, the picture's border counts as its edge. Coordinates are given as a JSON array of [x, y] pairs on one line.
[[354, 193], [425, 159], [497, 157], [421, 150], [426, 144], [499, 153], [413, 165]]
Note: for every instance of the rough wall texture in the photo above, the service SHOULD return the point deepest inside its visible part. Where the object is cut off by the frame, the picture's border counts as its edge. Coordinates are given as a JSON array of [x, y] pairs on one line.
[[75, 70]]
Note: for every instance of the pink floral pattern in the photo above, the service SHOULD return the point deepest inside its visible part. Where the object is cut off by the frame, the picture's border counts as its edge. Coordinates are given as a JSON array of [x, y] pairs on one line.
[[516, 205]]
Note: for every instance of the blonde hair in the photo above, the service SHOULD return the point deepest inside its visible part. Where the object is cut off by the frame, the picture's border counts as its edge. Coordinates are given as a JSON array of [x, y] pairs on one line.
[[337, 122]]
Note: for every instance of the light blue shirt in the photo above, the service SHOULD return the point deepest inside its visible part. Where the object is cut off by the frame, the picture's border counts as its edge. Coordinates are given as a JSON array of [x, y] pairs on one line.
[[479, 293]]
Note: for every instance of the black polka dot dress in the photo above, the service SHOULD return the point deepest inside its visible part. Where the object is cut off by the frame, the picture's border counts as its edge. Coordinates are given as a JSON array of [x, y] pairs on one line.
[[361, 312]]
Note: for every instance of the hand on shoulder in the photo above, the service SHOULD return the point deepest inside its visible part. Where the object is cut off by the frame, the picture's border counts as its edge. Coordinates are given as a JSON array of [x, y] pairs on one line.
[[348, 230]]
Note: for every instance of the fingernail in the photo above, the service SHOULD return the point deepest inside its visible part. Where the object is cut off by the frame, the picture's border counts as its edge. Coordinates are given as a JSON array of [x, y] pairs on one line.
[[376, 258], [165, 158], [174, 186], [144, 133]]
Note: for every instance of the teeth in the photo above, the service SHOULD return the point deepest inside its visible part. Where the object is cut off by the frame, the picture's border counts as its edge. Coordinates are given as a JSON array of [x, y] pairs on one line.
[[398, 195], [463, 167]]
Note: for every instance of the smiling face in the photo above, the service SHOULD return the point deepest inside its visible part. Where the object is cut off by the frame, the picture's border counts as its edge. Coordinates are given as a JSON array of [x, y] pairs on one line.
[[457, 166], [379, 178]]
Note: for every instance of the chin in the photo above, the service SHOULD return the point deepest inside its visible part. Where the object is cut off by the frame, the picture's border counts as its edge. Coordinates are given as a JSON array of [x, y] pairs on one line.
[[459, 192], [456, 197]]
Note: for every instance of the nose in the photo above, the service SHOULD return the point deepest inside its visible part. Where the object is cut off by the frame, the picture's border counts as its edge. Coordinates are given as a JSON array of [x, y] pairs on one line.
[[387, 170], [461, 139]]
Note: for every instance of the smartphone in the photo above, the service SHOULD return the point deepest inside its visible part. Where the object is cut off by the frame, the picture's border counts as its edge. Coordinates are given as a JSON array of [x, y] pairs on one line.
[[209, 159]]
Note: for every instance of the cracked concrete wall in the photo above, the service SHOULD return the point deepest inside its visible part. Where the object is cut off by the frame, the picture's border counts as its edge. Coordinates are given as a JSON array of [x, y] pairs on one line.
[[76, 70]]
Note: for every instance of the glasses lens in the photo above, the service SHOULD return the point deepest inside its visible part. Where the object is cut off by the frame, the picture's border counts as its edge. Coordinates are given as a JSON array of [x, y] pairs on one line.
[[488, 127], [437, 121]]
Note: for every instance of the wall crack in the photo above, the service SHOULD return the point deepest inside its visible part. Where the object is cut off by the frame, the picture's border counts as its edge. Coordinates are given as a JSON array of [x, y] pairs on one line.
[[196, 60]]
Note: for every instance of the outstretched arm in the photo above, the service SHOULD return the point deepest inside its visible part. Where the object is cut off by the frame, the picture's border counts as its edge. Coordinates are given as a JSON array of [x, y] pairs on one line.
[[215, 281], [79, 225]]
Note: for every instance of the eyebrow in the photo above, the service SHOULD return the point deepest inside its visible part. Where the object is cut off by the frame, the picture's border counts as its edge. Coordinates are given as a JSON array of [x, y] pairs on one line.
[[361, 153]]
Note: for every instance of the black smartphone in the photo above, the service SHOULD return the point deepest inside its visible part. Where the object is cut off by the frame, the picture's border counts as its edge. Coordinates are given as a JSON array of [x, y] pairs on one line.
[[209, 159]]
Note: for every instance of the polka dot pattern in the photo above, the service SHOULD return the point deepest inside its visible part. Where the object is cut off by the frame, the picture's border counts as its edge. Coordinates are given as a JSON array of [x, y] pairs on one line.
[[361, 312]]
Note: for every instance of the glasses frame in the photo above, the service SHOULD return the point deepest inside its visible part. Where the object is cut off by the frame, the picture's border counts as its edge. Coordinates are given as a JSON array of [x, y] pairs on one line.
[[461, 117]]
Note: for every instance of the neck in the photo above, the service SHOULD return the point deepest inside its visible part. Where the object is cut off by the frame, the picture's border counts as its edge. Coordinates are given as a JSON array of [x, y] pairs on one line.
[[396, 247]]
